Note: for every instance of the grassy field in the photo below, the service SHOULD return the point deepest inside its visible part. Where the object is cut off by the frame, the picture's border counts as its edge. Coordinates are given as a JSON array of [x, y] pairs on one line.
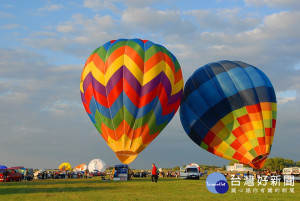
[[136, 189]]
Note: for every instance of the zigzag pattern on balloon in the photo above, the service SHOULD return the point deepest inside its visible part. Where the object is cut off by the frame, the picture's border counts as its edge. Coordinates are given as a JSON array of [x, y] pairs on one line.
[[113, 123], [131, 89], [145, 103], [140, 96]]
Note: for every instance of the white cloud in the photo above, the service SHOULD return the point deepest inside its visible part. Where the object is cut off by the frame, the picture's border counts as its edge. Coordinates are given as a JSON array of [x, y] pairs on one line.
[[48, 27], [43, 33], [62, 107], [225, 20], [290, 4], [284, 100], [284, 97], [79, 34], [13, 97], [282, 25], [5, 15], [14, 63], [150, 18], [8, 6], [208, 35], [271, 44], [140, 3], [98, 5], [10, 26], [62, 68], [24, 129], [65, 28], [51, 7], [161, 23]]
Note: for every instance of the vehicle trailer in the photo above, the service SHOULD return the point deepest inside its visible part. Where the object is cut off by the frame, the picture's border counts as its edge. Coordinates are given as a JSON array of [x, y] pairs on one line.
[[292, 171], [121, 172]]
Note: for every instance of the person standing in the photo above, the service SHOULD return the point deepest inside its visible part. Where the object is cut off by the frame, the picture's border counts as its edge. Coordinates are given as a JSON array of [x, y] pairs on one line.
[[25, 174], [112, 174], [86, 174], [154, 173], [5, 174], [205, 173]]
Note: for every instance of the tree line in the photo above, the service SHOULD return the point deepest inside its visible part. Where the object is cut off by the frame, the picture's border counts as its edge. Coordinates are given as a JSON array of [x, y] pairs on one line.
[[276, 163], [279, 163]]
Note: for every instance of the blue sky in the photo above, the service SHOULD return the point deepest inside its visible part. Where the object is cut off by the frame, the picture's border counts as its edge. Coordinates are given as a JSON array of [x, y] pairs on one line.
[[44, 45]]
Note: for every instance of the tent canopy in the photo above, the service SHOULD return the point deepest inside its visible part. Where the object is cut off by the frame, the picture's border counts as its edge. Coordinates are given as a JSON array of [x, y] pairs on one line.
[[2, 167]]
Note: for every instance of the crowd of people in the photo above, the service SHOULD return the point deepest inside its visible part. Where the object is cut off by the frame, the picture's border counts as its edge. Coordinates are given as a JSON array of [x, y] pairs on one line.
[[62, 175], [170, 173]]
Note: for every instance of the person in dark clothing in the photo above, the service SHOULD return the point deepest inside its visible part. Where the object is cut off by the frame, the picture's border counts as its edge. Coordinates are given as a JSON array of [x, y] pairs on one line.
[[154, 173], [86, 173], [5, 174]]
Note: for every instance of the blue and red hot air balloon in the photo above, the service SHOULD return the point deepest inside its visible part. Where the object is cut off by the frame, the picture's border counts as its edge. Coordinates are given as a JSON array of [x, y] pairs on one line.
[[229, 109]]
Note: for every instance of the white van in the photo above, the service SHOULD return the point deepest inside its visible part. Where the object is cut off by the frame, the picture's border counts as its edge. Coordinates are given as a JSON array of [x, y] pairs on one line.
[[191, 171]]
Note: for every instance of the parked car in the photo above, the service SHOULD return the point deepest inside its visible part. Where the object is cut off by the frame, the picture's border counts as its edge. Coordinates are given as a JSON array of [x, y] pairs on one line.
[[97, 173], [1, 175], [59, 175], [13, 175], [140, 174], [191, 171]]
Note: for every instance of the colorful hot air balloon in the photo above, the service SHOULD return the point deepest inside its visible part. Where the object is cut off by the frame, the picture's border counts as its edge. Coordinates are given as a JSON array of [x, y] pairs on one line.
[[80, 168], [65, 167], [229, 109], [131, 89], [97, 165]]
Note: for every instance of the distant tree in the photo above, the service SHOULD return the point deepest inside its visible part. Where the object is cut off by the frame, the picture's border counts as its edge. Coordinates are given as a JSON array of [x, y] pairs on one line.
[[176, 168], [289, 163], [224, 167], [277, 163], [231, 163], [203, 166]]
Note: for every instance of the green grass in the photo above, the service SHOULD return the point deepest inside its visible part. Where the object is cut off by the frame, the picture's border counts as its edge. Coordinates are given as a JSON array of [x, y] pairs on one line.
[[136, 189]]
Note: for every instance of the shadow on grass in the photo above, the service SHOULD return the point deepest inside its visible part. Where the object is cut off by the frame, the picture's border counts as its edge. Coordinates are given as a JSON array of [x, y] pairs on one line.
[[81, 181], [52, 182], [10, 191], [159, 180]]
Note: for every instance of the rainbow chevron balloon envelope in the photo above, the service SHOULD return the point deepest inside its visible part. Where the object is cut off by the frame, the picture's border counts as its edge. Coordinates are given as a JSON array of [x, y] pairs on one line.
[[229, 109], [131, 89]]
